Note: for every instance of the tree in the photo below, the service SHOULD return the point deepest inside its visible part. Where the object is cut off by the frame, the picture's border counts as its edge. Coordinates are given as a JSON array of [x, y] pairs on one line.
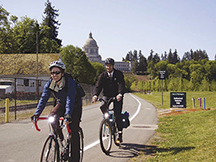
[[161, 66], [3, 17], [25, 35], [142, 64], [135, 56], [186, 56], [50, 20], [99, 69], [129, 56], [7, 41], [151, 55], [176, 58], [170, 56], [78, 64], [156, 58]]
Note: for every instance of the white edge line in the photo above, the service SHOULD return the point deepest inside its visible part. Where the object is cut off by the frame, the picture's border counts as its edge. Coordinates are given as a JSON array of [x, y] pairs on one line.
[[139, 107], [91, 145], [136, 113]]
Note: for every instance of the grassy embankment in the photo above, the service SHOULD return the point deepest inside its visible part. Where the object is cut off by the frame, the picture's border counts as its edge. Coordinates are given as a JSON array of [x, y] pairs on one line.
[[182, 136]]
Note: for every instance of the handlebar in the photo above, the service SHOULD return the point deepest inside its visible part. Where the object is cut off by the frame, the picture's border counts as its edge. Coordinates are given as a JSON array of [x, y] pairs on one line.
[[109, 101], [46, 118]]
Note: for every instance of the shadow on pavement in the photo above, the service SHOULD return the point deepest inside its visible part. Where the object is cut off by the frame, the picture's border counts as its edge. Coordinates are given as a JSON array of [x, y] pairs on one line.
[[130, 150]]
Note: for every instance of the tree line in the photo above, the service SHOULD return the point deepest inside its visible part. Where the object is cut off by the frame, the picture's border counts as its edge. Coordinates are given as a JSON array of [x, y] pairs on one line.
[[194, 72]]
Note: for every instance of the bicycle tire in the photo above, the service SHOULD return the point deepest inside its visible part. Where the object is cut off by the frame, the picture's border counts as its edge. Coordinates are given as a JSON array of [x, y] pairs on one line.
[[50, 151], [81, 136], [105, 136], [81, 143]]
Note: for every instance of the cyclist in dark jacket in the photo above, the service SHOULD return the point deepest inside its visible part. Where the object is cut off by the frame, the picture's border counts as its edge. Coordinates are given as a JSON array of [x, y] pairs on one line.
[[113, 85], [63, 89]]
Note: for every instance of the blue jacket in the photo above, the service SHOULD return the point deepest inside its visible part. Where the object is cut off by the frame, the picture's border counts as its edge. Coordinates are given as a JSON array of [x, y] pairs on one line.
[[65, 97]]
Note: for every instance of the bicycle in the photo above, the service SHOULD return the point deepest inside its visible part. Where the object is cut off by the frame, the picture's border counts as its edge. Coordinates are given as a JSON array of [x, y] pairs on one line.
[[54, 150], [108, 128]]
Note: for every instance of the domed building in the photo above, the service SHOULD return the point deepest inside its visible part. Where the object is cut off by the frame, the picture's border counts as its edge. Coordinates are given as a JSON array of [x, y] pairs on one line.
[[91, 49]]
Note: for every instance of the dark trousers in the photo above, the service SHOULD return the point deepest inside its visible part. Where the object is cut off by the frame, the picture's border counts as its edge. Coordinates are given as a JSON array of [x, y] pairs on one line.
[[59, 111], [117, 110]]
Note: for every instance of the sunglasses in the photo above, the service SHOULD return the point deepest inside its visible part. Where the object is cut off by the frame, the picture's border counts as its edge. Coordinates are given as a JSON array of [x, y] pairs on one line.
[[55, 72]]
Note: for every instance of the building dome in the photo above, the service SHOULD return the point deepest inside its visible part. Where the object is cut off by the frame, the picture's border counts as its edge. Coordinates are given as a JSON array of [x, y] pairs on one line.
[[91, 49], [90, 42]]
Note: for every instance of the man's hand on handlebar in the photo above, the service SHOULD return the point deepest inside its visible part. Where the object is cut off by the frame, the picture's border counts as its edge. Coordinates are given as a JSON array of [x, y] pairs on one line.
[[119, 97], [94, 98]]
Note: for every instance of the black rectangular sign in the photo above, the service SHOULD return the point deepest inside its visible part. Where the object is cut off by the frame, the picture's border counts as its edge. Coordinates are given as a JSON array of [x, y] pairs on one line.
[[162, 75], [178, 99]]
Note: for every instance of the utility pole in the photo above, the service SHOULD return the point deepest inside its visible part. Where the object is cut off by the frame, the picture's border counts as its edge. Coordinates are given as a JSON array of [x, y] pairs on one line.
[[37, 82]]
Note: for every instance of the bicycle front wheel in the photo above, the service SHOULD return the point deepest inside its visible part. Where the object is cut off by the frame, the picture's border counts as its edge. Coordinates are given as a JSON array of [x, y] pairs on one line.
[[50, 152], [105, 136], [81, 136], [81, 146]]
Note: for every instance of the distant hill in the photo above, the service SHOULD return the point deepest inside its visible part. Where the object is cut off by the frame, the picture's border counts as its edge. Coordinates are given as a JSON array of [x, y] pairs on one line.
[[22, 64]]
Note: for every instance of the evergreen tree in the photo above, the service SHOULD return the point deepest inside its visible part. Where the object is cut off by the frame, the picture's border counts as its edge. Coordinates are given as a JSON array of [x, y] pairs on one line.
[[129, 56], [143, 64], [186, 56], [170, 57], [156, 58], [151, 55], [175, 58], [135, 56], [50, 20]]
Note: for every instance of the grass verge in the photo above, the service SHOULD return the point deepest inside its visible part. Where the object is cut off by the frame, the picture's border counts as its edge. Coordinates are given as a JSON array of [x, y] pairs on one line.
[[184, 137], [155, 98]]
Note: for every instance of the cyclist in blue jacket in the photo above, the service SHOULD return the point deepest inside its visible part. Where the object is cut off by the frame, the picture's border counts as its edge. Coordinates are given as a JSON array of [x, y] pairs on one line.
[[63, 89]]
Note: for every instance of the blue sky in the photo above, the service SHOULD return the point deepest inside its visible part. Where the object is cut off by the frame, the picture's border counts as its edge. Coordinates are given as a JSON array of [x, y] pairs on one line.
[[120, 26]]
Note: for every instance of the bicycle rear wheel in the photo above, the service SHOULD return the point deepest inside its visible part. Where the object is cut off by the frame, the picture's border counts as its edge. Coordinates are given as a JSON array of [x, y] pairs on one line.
[[105, 136], [50, 151]]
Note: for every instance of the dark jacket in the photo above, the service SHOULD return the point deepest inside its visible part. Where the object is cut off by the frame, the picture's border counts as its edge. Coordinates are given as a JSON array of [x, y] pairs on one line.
[[64, 96], [110, 86]]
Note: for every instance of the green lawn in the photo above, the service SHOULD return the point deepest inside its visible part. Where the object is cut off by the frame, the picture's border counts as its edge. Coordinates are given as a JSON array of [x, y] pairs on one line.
[[156, 99], [189, 137]]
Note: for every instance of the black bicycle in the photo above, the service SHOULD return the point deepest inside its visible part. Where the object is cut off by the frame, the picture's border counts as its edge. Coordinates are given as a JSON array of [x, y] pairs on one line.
[[108, 128], [56, 150]]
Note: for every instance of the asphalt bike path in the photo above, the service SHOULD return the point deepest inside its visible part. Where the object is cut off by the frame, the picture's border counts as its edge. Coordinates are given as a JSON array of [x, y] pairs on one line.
[[20, 143]]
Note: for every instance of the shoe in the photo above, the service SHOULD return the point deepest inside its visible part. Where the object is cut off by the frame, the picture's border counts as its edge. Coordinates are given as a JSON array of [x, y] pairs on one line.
[[120, 137]]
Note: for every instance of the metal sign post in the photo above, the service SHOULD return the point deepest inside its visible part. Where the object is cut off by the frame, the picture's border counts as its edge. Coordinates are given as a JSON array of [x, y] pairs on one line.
[[162, 76]]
